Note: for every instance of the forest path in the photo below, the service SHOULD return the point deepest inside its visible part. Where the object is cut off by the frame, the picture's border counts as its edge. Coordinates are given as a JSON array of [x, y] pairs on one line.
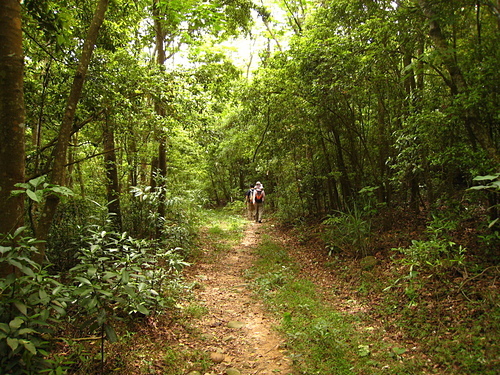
[[237, 331]]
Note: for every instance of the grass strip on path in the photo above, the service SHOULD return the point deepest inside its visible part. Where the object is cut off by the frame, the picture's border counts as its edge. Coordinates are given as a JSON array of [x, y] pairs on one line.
[[318, 338]]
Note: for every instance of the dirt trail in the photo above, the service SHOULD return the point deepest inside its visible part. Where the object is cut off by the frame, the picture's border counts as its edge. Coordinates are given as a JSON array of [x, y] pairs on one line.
[[251, 346]]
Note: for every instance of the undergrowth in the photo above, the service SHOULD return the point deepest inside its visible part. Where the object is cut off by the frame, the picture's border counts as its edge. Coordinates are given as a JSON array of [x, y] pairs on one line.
[[430, 306]]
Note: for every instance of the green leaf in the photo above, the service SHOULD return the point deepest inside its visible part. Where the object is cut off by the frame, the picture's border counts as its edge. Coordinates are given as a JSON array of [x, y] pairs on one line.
[[92, 303], [16, 323], [37, 181], [56, 290], [27, 271], [21, 307], [399, 351], [33, 196], [109, 275], [125, 277], [488, 178], [62, 190], [493, 222], [4, 327], [91, 271], [25, 331], [142, 310], [106, 293], [4, 249], [44, 298], [482, 187], [15, 193], [23, 185], [15, 263], [83, 291], [83, 280], [60, 310], [30, 347], [19, 231], [110, 333], [13, 343]]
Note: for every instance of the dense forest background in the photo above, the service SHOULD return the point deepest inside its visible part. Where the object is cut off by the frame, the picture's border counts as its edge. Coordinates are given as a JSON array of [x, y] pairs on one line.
[[121, 119]]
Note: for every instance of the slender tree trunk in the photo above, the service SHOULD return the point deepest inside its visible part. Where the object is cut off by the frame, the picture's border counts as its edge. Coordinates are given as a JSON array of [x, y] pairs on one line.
[[345, 182], [37, 130], [420, 69], [132, 160], [71, 161], [331, 183], [12, 117], [61, 148], [112, 184], [383, 143], [216, 191], [160, 111], [154, 169]]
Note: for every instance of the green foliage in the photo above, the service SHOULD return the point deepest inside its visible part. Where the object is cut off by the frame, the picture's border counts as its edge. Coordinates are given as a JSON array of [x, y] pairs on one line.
[[236, 207], [121, 275], [436, 253], [290, 207], [362, 97], [368, 201], [117, 277], [68, 232], [37, 189], [122, 278], [32, 304], [176, 227], [349, 231], [493, 183], [433, 253]]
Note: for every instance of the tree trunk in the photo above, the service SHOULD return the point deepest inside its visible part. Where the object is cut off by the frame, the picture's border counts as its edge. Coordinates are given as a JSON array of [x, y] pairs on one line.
[[331, 183], [162, 174], [345, 182], [12, 117], [37, 129], [160, 111], [61, 148], [112, 184]]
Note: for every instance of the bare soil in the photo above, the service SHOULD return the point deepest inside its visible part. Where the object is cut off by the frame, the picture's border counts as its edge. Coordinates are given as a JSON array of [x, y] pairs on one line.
[[237, 330]]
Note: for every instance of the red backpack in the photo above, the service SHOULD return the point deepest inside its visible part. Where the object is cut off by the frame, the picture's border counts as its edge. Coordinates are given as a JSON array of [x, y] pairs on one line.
[[259, 194]]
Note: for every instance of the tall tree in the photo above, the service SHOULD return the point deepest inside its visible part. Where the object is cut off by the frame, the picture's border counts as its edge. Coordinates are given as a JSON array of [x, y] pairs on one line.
[[112, 183], [61, 148], [12, 116], [161, 170]]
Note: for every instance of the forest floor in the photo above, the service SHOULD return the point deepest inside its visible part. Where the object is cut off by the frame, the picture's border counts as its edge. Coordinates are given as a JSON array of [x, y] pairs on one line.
[[223, 325]]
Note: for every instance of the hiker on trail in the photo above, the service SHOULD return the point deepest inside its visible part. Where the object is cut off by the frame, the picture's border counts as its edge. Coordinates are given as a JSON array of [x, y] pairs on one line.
[[259, 197], [249, 199]]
